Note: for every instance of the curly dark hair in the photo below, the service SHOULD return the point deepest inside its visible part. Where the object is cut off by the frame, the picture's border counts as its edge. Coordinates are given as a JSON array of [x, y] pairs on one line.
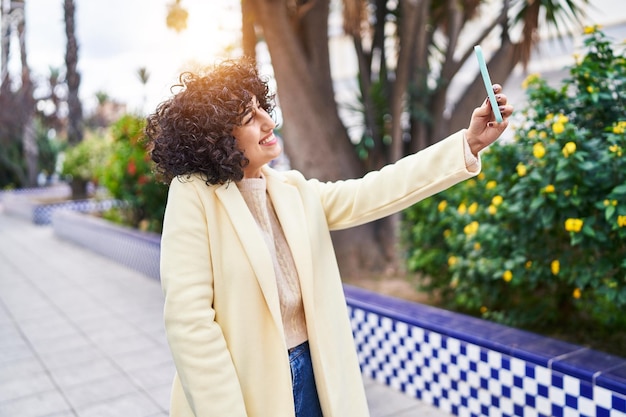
[[191, 132]]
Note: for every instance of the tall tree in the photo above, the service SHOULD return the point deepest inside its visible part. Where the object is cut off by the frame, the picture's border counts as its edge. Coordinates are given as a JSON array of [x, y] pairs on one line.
[[19, 156], [144, 76], [315, 138], [5, 42], [72, 76], [248, 31], [27, 102]]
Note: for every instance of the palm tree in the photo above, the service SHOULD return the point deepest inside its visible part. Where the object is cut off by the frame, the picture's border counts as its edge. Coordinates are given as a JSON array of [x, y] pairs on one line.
[[72, 76], [144, 76]]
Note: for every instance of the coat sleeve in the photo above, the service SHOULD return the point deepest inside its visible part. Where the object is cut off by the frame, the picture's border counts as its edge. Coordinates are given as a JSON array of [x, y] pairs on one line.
[[397, 186], [198, 347]]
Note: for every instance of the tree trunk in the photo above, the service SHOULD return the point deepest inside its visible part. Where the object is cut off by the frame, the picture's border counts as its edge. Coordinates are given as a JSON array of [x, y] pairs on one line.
[[248, 33], [420, 132], [75, 110], [5, 44], [27, 104], [315, 139]]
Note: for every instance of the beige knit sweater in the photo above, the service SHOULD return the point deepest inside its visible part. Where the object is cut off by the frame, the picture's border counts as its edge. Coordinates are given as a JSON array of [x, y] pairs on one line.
[[254, 192]]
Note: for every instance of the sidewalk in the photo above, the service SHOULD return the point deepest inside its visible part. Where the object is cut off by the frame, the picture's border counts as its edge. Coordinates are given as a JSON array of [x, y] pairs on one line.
[[82, 336]]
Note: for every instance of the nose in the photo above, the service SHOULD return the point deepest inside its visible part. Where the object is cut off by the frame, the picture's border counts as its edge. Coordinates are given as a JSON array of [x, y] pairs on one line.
[[267, 122]]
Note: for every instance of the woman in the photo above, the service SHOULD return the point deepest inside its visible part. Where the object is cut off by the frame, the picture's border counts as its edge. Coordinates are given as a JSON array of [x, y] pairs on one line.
[[254, 308]]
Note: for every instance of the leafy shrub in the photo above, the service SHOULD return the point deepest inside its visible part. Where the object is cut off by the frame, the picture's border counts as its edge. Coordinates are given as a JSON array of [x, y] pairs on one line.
[[538, 239], [83, 163], [128, 177], [84, 160]]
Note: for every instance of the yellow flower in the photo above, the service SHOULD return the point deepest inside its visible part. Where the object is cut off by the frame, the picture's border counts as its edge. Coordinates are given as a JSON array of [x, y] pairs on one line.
[[481, 176], [621, 221], [573, 225], [531, 79], [477, 246], [538, 150], [492, 209], [472, 208], [528, 264], [471, 228], [558, 128], [452, 261], [590, 89], [588, 30], [521, 169], [616, 149], [561, 118], [532, 134], [507, 276], [555, 267], [549, 188], [497, 200], [568, 149], [577, 293], [483, 309], [607, 202], [613, 202], [442, 205], [619, 128], [549, 116], [491, 184], [462, 209], [543, 135]]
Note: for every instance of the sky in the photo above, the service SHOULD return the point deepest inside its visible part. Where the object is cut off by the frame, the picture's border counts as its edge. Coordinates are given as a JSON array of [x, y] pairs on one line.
[[117, 37]]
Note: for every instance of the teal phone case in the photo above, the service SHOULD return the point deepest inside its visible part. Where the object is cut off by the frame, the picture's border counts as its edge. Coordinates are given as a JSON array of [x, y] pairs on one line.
[[487, 80]]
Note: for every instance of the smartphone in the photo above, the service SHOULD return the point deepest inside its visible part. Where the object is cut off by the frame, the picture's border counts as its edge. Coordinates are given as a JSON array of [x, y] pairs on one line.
[[487, 80]]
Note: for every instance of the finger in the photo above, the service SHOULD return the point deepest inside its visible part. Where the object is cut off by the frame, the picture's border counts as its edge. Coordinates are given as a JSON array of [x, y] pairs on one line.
[[497, 88], [506, 110], [501, 99]]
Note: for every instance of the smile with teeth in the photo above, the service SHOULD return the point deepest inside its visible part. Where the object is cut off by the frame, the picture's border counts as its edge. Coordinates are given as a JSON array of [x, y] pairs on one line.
[[267, 140]]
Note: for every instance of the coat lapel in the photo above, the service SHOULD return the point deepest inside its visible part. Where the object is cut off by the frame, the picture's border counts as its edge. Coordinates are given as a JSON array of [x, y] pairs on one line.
[[254, 246]]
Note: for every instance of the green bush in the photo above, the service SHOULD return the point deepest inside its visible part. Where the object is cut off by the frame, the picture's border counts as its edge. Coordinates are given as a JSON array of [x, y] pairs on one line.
[[83, 163], [84, 160], [128, 177], [538, 239]]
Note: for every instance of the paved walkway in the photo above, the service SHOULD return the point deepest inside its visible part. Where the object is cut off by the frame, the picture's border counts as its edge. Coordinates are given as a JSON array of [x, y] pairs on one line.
[[82, 336]]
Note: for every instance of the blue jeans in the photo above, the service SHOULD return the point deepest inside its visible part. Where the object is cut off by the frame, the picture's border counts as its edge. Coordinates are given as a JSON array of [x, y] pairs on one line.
[[305, 396]]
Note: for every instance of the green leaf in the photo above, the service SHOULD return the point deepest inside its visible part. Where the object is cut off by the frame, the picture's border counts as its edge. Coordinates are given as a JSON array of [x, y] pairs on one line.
[[619, 190]]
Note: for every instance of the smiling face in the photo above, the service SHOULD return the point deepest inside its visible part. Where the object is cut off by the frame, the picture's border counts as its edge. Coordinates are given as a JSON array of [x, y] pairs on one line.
[[255, 138]]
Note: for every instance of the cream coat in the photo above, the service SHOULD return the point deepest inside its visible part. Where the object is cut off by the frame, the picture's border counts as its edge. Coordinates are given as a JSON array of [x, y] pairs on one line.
[[222, 311]]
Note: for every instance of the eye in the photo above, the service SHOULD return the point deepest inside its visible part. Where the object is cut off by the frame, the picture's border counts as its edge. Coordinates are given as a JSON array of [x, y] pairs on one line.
[[249, 117]]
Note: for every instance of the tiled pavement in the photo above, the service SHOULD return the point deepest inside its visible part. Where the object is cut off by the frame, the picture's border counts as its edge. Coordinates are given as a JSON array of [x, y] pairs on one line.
[[82, 336]]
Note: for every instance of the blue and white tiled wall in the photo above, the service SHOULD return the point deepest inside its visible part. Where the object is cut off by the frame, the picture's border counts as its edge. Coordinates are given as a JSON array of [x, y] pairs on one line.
[[469, 367], [135, 249]]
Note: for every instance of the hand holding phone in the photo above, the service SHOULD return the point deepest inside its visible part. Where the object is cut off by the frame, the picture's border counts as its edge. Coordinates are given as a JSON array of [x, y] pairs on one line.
[[487, 80]]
